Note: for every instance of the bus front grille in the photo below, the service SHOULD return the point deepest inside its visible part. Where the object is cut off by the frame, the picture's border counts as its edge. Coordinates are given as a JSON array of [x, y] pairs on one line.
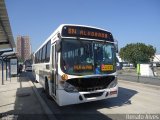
[[91, 84], [90, 89], [90, 95]]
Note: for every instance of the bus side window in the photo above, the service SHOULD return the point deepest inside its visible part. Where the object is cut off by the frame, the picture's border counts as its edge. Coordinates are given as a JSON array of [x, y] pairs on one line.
[[43, 53], [40, 55], [48, 47]]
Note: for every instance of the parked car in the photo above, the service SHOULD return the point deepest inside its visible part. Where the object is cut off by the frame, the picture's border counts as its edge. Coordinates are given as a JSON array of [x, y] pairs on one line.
[[158, 64], [28, 68]]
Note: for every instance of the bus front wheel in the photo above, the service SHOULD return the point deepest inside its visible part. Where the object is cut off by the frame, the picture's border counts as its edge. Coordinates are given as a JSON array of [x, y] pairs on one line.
[[47, 89]]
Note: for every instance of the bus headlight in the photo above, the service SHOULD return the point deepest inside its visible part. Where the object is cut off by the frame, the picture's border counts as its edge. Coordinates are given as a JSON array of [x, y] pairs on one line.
[[113, 83], [69, 88]]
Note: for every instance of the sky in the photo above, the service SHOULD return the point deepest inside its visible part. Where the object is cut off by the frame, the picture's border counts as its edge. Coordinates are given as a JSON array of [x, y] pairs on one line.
[[130, 21]]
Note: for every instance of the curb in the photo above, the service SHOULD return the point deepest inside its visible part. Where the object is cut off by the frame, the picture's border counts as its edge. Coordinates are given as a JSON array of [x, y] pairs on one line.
[[46, 109], [140, 79]]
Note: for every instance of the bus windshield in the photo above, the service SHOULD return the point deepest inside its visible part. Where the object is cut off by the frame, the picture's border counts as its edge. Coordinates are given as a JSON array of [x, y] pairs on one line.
[[82, 57]]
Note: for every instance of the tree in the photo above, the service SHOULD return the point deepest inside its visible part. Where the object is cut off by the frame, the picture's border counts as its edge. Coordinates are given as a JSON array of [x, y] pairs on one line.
[[137, 53]]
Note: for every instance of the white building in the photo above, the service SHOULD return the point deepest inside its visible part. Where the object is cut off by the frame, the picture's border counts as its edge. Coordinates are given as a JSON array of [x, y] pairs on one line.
[[156, 58], [119, 59]]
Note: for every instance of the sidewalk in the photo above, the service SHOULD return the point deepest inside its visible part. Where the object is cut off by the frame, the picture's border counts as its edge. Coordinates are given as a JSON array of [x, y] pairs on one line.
[[18, 100]]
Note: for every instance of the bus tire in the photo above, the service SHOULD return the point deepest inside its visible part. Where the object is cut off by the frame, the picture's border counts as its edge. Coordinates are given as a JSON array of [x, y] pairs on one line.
[[36, 81], [47, 89]]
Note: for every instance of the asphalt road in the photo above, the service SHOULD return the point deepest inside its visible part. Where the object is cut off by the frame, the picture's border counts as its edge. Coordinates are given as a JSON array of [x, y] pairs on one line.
[[133, 98]]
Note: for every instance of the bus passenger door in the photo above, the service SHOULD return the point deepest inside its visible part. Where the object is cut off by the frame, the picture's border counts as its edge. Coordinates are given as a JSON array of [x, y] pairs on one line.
[[54, 58]]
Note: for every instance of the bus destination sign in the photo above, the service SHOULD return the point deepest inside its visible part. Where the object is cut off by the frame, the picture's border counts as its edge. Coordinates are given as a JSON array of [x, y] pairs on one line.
[[86, 32]]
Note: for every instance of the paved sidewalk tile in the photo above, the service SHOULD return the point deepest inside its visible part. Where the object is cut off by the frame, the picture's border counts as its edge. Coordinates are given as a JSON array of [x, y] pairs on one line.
[[17, 99]]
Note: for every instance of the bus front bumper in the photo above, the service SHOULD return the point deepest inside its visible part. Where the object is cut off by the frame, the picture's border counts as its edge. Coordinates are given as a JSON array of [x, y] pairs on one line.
[[66, 98]]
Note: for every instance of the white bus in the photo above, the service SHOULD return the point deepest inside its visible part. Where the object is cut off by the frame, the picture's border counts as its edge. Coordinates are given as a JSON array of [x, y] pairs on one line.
[[77, 64]]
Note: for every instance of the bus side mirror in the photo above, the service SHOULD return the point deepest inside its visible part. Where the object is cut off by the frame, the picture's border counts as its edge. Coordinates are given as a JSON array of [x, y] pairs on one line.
[[58, 45]]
